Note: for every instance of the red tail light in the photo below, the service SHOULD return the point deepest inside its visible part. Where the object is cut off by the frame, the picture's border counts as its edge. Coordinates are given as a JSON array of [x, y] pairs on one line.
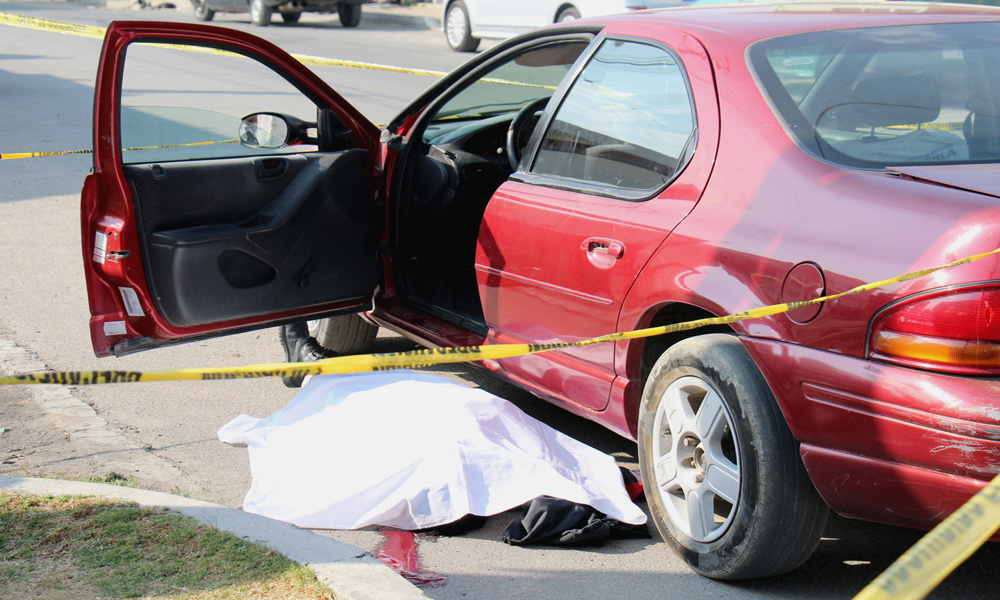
[[956, 331]]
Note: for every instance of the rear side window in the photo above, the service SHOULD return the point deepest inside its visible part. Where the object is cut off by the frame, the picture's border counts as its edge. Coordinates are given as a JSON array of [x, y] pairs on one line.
[[884, 96], [626, 123]]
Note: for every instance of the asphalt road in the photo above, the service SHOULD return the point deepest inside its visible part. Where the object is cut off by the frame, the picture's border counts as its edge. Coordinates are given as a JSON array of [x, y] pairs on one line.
[[164, 434]]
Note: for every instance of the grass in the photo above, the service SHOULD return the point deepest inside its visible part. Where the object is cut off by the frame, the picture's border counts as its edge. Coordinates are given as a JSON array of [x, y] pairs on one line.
[[77, 547], [113, 478]]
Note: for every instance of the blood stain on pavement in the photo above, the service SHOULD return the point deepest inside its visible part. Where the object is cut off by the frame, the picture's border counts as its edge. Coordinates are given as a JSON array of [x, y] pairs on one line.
[[399, 551]]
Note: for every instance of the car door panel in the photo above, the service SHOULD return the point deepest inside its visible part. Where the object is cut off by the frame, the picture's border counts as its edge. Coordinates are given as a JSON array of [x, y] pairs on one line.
[[175, 195], [544, 277], [250, 252], [189, 238], [560, 248]]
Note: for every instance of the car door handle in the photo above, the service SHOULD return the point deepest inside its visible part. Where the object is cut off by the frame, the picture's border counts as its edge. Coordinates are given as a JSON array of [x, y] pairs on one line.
[[612, 248], [270, 168]]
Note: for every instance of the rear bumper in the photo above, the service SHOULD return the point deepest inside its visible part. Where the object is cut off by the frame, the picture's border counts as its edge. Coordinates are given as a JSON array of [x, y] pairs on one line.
[[885, 443]]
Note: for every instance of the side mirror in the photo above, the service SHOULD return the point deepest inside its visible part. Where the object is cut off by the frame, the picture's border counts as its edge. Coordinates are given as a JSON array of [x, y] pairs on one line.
[[264, 130]]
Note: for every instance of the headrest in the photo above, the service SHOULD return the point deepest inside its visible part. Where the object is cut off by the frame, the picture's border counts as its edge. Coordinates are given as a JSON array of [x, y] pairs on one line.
[[886, 101]]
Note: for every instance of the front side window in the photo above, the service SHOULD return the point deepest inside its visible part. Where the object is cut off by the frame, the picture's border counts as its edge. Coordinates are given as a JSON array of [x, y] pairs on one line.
[[627, 123], [180, 105], [883, 96]]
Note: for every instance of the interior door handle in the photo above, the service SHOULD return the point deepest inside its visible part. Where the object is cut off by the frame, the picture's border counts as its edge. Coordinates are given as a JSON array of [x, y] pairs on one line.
[[270, 168], [612, 248]]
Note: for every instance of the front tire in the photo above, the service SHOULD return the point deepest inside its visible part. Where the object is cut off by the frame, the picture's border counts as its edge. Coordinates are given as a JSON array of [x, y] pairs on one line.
[[260, 13], [291, 16], [350, 14], [725, 484], [202, 12], [344, 334], [457, 29]]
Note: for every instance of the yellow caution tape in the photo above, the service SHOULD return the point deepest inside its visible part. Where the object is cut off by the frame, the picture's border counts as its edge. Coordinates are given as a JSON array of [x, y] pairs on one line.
[[433, 356], [50, 25], [911, 577], [98, 32], [37, 154], [208, 143], [943, 126], [921, 568], [353, 64]]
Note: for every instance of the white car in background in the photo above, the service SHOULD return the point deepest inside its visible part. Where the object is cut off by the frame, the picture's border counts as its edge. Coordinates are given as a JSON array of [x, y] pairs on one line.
[[466, 22]]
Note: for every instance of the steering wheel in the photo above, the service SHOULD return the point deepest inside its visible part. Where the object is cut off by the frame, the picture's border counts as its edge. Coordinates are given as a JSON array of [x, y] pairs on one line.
[[514, 131]]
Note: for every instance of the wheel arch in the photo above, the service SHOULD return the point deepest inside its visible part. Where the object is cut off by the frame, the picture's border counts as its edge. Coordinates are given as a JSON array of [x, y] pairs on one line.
[[643, 353]]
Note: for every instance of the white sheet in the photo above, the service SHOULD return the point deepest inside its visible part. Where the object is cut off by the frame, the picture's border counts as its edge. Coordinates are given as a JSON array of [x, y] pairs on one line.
[[412, 450]]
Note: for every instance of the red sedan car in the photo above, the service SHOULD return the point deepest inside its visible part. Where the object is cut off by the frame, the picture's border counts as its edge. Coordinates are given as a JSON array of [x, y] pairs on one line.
[[610, 175]]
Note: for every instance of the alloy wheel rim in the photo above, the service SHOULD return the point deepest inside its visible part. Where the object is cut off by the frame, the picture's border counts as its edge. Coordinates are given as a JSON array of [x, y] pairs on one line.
[[455, 26], [696, 463]]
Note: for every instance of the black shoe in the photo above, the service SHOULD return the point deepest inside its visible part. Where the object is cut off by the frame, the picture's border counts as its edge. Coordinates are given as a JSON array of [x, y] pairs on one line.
[[299, 346]]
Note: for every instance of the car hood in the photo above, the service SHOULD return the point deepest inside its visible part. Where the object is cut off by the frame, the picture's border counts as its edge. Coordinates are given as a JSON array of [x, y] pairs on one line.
[[983, 179]]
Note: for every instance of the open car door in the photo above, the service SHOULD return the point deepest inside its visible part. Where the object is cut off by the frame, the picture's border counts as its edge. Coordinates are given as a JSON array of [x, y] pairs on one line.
[[232, 189]]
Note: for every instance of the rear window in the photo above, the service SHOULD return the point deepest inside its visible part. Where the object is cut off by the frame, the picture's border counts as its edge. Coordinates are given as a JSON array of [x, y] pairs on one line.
[[884, 96]]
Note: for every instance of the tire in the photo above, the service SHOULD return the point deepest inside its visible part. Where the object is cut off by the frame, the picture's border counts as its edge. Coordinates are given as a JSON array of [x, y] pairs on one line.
[[291, 16], [350, 14], [568, 14], [344, 334], [202, 12], [260, 13], [725, 484], [457, 29]]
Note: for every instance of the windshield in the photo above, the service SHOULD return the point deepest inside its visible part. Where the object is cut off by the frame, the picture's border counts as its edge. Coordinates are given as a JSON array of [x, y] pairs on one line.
[[883, 96]]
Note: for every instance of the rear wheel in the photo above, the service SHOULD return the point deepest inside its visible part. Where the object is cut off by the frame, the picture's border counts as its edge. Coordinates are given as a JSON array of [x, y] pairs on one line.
[[350, 14], [202, 12], [260, 13], [344, 334], [722, 471], [568, 14], [291, 16], [457, 29]]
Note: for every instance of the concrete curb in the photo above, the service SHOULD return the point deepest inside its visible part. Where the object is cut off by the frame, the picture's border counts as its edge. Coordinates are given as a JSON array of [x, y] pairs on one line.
[[349, 572]]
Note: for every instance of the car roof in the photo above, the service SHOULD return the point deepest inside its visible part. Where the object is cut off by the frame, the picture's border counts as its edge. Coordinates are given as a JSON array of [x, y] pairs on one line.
[[750, 21]]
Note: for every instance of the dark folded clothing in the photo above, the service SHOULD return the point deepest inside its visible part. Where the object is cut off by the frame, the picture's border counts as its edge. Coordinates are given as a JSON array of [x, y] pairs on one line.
[[556, 522]]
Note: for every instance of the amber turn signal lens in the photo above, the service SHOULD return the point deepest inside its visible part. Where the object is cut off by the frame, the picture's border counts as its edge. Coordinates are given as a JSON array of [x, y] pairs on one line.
[[956, 331], [938, 350]]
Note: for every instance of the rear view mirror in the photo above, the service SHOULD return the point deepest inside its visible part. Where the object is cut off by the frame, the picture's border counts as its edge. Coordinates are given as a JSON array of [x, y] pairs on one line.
[[264, 130]]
